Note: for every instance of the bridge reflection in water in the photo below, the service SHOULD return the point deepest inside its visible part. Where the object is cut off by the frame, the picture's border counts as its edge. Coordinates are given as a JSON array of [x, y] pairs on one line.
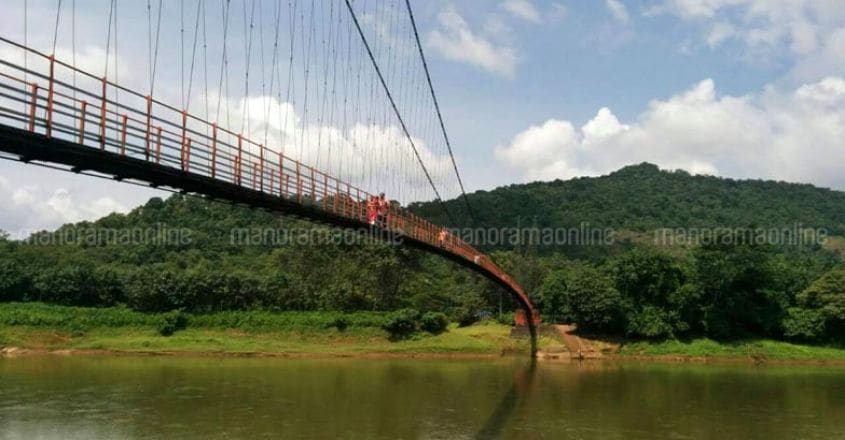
[[524, 382]]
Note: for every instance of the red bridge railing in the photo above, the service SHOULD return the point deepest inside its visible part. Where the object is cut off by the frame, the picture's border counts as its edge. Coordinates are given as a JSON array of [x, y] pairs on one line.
[[57, 100]]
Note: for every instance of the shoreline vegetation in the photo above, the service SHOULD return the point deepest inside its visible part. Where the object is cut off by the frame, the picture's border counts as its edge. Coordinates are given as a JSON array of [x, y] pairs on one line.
[[36, 329]]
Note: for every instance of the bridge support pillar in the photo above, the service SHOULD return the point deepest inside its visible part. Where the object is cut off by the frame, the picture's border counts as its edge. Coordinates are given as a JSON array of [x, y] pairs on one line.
[[528, 317], [532, 330]]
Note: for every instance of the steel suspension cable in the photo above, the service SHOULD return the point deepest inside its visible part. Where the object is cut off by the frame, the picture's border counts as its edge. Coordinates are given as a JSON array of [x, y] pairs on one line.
[[246, 121], [193, 55], [56, 29], [73, 46], [108, 39], [155, 50], [25, 41], [223, 64], [273, 73]]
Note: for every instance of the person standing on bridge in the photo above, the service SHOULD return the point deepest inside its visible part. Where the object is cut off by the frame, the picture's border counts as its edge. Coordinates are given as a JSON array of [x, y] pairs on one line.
[[442, 236], [372, 210], [383, 208]]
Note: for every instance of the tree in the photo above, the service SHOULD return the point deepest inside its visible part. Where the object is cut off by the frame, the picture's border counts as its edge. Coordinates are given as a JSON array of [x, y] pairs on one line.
[[658, 304], [551, 296], [156, 289], [821, 311], [586, 296], [736, 284], [69, 284], [12, 281], [804, 324]]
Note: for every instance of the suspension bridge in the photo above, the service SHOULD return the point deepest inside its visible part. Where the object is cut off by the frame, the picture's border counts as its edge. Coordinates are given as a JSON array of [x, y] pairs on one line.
[[300, 107]]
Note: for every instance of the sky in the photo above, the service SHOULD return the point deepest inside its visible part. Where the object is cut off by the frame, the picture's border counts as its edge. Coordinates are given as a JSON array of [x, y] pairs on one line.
[[542, 90]]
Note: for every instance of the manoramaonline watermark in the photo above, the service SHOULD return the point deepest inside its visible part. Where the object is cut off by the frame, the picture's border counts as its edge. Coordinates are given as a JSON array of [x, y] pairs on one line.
[[796, 235], [156, 235], [316, 236], [582, 235]]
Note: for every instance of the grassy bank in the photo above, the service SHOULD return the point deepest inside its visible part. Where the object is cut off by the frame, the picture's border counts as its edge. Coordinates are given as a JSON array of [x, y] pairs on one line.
[[48, 327], [760, 349]]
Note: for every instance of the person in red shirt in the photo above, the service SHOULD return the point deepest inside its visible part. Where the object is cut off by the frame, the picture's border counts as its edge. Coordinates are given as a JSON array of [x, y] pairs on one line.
[[372, 210]]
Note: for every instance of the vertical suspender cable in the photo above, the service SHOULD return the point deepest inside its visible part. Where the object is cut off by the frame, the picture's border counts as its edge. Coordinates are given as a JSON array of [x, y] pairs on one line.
[[395, 109], [182, 49], [437, 108], [193, 56], [116, 65], [25, 41], [73, 49], [223, 64]]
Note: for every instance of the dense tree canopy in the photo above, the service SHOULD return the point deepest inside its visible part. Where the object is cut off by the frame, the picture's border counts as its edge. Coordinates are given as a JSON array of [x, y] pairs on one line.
[[643, 198]]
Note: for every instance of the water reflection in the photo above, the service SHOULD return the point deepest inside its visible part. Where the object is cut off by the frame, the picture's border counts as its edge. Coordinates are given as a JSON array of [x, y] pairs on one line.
[[525, 379], [201, 398]]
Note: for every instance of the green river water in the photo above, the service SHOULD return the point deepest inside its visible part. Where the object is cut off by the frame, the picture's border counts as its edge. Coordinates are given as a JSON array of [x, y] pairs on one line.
[[57, 397]]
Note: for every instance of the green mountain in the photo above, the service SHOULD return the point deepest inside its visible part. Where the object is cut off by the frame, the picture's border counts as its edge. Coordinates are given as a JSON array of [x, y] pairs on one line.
[[643, 198]]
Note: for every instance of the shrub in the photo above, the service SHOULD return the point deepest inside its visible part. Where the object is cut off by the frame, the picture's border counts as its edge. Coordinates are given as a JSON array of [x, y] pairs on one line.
[[340, 323], [401, 323], [804, 324], [466, 316], [171, 322], [651, 322], [434, 322]]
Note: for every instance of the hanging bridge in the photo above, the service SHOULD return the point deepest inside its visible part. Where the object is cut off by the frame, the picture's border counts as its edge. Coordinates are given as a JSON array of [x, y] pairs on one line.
[[304, 108]]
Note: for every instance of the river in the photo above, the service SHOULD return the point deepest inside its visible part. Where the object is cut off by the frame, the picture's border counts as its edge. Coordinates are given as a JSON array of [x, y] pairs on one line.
[[57, 397]]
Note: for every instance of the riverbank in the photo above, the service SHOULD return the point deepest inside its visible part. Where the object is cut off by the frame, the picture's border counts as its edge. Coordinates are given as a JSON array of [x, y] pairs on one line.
[[41, 328], [759, 350], [28, 329], [481, 340]]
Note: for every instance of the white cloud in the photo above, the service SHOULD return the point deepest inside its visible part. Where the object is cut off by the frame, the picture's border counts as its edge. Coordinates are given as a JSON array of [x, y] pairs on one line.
[[602, 127], [810, 31], [794, 135], [456, 41], [523, 9], [617, 10], [719, 33], [37, 207], [544, 152]]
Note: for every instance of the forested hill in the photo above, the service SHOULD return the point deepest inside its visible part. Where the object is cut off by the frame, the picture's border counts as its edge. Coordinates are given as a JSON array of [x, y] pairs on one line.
[[643, 198], [186, 253]]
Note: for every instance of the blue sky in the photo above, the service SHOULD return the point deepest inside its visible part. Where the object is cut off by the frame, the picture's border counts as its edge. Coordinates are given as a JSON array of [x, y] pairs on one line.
[[538, 90], [574, 58]]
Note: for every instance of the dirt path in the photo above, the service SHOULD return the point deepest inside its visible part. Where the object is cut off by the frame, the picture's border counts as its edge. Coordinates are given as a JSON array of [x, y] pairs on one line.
[[579, 348]]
